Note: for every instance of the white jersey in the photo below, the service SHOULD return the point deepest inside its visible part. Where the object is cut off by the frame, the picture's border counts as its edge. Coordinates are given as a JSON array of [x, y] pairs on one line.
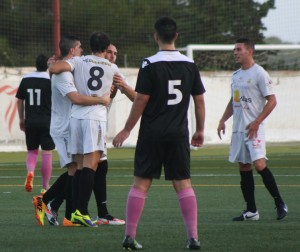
[[249, 89], [61, 85], [93, 77]]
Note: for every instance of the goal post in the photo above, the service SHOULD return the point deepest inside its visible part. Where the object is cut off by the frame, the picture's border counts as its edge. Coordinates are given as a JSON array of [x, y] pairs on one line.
[[259, 47]]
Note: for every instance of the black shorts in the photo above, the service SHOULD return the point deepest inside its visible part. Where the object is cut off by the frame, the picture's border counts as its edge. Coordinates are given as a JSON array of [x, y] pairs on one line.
[[150, 156], [38, 136]]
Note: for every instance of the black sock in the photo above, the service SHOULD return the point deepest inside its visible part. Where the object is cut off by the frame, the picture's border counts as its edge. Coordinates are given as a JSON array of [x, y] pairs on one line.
[[57, 202], [86, 184], [56, 189], [75, 189], [100, 188], [247, 186], [69, 201], [271, 185]]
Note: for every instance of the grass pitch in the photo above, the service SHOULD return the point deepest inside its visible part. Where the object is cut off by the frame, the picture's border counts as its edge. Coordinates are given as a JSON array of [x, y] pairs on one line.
[[216, 184]]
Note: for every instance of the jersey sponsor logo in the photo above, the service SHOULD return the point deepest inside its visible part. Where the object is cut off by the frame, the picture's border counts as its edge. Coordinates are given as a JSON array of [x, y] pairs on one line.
[[236, 95], [97, 62], [245, 99], [238, 99]]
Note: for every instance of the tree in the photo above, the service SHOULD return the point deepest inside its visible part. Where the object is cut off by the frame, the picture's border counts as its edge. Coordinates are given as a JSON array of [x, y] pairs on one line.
[[26, 26]]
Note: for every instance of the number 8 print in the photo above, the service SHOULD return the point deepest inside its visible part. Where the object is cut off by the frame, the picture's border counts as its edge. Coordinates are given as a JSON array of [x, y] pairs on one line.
[[96, 74]]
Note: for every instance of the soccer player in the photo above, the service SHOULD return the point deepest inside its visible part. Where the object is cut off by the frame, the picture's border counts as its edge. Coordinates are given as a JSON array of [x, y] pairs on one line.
[[164, 85], [64, 94], [119, 80], [100, 188], [252, 100], [35, 91], [93, 76]]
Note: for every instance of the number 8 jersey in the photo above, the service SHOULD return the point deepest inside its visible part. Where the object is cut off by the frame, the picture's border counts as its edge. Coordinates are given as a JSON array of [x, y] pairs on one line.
[[93, 76]]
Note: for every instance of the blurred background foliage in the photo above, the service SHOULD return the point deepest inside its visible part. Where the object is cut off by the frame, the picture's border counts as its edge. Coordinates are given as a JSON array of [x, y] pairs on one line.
[[26, 27]]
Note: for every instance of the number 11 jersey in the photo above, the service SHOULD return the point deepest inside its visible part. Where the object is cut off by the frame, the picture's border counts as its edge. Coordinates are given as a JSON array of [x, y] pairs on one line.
[[35, 90]]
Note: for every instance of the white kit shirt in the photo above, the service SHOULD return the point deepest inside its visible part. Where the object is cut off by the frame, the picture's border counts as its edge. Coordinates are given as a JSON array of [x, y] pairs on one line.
[[93, 77], [249, 89], [61, 85]]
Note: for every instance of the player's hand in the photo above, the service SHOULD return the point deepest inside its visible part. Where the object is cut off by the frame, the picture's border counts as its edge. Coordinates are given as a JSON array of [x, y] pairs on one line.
[[105, 99], [113, 91], [22, 125], [198, 139], [120, 138], [119, 81], [221, 128], [252, 130], [51, 60]]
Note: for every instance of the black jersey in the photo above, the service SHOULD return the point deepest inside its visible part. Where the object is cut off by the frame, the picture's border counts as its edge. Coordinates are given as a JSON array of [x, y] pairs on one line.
[[35, 90], [170, 78]]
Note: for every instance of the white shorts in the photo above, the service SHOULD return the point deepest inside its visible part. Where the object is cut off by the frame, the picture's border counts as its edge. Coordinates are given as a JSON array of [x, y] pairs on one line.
[[62, 144], [246, 151], [87, 136], [104, 153]]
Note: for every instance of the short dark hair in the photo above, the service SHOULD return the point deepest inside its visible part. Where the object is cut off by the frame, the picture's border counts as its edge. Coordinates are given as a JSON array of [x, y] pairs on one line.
[[249, 43], [166, 29], [99, 41], [41, 62], [66, 43]]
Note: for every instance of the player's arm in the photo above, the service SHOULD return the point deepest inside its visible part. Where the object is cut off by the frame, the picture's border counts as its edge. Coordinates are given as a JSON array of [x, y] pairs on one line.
[[120, 82], [84, 100], [20, 105], [137, 110], [268, 108], [226, 115], [59, 67], [198, 137]]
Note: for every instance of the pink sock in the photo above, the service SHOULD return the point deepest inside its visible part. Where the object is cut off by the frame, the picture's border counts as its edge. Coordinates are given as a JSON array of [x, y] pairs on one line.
[[134, 209], [46, 169], [32, 156], [188, 206]]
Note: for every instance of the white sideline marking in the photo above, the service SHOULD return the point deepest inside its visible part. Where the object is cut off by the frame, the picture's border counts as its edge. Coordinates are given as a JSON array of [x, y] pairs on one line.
[[193, 175]]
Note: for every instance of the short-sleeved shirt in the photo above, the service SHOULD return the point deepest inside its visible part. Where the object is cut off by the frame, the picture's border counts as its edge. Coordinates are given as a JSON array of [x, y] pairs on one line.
[[93, 77], [62, 84], [249, 89], [35, 90], [170, 78]]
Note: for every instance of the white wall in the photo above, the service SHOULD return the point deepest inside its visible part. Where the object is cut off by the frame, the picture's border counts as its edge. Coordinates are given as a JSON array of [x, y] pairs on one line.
[[282, 125]]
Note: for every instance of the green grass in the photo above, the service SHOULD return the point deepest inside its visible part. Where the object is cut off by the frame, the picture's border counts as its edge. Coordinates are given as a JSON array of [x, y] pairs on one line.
[[216, 183]]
